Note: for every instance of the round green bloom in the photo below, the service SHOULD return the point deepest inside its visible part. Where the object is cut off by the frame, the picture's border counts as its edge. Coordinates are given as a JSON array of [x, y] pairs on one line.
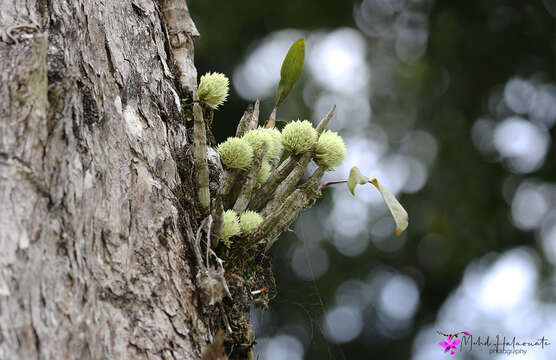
[[264, 172], [257, 137], [275, 144], [248, 221], [236, 153], [230, 227], [213, 89], [298, 136], [330, 150]]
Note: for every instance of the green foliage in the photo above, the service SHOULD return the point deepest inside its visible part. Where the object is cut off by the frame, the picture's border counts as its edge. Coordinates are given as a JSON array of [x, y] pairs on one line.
[[291, 70], [396, 209], [355, 178]]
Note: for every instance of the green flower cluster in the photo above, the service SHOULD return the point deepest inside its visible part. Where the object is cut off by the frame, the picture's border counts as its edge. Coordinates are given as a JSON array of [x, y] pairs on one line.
[[249, 221], [300, 136], [271, 137], [297, 137], [233, 225], [230, 227], [264, 172], [236, 153], [213, 89], [330, 150]]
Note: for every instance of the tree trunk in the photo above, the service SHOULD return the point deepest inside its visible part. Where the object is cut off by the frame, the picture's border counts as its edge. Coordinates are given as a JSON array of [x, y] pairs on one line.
[[94, 259]]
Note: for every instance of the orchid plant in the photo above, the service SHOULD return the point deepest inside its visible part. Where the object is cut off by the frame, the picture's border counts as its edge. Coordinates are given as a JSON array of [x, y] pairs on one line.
[[260, 192], [270, 162]]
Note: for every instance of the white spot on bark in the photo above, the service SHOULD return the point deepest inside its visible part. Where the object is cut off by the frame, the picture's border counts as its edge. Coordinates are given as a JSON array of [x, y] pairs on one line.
[[214, 158], [77, 165], [176, 98], [77, 171], [133, 122], [88, 181], [4, 289], [23, 240], [144, 178], [118, 104], [8, 245]]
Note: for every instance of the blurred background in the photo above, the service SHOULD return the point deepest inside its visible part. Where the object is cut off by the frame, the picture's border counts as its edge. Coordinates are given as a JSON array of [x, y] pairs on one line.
[[452, 106]]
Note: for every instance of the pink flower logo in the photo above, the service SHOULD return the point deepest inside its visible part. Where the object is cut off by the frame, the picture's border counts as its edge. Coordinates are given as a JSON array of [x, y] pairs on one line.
[[450, 345], [452, 342]]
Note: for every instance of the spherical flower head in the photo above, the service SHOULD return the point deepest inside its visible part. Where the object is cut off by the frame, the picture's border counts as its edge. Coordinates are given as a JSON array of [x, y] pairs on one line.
[[275, 145], [257, 137], [213, 89], [230, 227], [264, 173], [249, 221], [298, 136], [330, 150], [236, 153]]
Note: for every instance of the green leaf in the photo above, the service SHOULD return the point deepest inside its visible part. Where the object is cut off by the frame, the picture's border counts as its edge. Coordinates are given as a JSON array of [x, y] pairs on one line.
[[355, 178], [291, 70], [396, 209]]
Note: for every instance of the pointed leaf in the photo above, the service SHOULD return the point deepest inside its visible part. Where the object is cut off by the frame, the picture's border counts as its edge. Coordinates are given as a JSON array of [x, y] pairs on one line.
[[291, 70], [355, 178], [396, 209]]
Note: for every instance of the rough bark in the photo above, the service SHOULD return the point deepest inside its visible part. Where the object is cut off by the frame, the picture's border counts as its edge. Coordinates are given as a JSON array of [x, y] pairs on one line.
[[94, 259]]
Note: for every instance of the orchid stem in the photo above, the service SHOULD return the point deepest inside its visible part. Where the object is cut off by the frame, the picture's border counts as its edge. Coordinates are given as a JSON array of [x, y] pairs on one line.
[[200, 156]]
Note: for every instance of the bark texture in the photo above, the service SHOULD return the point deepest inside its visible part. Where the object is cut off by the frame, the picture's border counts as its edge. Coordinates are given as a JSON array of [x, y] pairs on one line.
[[93, 264]]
